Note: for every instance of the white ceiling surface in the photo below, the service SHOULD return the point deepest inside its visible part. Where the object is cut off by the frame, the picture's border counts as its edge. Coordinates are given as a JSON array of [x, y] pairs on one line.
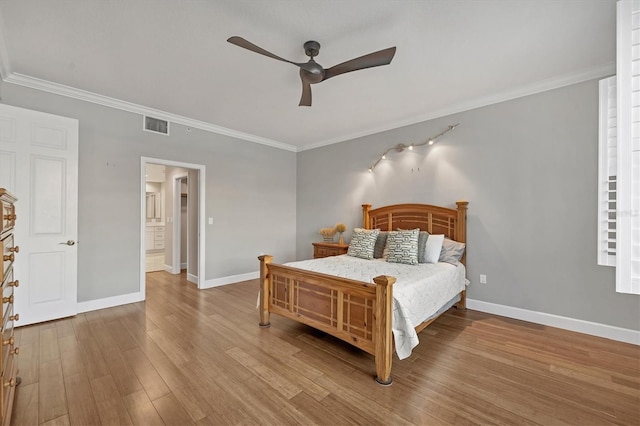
[[173, 56]]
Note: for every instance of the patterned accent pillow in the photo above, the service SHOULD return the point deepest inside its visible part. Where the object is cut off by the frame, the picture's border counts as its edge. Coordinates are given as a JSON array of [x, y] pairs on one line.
[[362, 243], [403, 247], [381, 243], [422, 245]]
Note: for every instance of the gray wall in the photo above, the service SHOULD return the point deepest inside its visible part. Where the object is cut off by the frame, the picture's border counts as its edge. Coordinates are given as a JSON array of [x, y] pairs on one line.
[[528, 168], [250, 193]]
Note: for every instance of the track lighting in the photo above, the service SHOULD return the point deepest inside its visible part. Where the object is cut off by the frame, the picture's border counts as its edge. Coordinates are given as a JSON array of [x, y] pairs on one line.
[[402, 147]]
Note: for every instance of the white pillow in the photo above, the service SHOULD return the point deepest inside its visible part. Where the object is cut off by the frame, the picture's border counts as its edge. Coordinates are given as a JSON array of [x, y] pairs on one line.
[[433, 248]]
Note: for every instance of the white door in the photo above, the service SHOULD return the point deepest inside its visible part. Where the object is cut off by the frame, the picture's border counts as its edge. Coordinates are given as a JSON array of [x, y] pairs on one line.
[[39, 165]]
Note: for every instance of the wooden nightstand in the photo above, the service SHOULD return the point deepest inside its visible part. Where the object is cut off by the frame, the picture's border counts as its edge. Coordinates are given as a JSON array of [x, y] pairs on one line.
[[323, 249]]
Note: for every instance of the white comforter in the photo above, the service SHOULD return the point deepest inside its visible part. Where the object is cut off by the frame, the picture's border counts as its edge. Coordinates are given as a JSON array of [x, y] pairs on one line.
[[419, 292]]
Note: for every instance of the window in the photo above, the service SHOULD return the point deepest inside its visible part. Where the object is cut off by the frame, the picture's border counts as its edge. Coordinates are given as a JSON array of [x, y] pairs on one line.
[[607, 174], [619, 169]]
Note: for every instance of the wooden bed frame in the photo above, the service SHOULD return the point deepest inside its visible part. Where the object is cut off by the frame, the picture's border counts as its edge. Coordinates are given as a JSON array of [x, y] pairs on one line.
[[357, 312]]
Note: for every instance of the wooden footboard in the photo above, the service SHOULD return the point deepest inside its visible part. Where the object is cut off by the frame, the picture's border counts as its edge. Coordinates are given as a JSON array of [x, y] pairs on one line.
[[354, 311]]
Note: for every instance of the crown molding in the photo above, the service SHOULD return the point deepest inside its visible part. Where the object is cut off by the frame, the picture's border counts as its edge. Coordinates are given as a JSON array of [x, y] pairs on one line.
[[83, 95], [538, 87], [71, 92]]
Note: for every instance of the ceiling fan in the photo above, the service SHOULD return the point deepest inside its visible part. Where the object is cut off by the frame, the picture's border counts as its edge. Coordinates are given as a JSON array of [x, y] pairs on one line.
[[311, 72]]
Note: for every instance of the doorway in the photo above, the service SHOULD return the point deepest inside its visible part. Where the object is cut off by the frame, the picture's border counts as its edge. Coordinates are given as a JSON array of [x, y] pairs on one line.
[[193, 176]]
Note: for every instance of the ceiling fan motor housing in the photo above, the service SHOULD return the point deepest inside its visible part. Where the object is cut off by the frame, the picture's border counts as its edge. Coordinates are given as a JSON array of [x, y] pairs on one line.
[[312, 72]]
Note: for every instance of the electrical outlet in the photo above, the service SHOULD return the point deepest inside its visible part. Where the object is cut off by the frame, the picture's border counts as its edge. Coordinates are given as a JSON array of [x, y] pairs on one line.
[[483, 279]]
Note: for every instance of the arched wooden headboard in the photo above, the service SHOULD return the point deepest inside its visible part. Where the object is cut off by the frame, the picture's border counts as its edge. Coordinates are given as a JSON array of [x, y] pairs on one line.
[[433, 219]]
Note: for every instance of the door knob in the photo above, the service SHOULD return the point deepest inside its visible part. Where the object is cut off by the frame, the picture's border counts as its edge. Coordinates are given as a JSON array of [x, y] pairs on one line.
[[69, 243]]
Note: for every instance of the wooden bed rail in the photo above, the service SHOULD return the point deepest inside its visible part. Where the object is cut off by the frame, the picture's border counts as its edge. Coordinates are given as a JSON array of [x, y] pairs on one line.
[[357, 312]]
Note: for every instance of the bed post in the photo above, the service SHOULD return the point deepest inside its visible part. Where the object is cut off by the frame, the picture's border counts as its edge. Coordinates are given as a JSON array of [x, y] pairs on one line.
[[461, 221], [462, 303], [366, 222], [265, 259], [461, 235], [383, 337]]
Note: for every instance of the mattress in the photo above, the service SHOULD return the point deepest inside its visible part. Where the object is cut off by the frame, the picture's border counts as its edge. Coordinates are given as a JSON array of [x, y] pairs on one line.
[[419, 292]]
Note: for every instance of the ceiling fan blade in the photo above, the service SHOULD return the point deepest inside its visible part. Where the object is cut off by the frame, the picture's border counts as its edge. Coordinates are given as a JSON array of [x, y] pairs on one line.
[[239, 41], [375, 59], [305, 100]]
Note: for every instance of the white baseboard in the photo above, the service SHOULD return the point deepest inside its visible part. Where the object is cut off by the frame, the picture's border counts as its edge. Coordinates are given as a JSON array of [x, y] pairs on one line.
[[170, 269], [216, 282], [109, 302], [183, 265], [592, 328]]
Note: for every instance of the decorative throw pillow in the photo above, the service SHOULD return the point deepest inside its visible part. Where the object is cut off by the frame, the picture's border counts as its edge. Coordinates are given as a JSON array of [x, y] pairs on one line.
[[422, 246], [452, 251], [381, 243], [402, 246], [362, 243], [434, 246]]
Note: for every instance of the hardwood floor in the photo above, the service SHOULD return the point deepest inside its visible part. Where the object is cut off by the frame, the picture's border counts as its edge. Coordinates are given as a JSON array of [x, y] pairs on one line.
[[198, 357]]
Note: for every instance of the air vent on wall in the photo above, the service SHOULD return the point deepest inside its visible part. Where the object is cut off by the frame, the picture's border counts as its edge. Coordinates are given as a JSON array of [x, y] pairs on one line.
[[156, 125]]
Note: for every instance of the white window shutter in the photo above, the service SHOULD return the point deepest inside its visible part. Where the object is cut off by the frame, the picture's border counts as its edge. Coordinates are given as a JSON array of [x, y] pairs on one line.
[[607, 173], [628, 147]]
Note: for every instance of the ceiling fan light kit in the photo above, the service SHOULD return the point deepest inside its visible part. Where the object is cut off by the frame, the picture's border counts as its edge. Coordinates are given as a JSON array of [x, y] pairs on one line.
[[311, 72]]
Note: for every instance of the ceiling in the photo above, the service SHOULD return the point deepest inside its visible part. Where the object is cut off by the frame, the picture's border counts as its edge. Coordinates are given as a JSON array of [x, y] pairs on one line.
[[172, 56]]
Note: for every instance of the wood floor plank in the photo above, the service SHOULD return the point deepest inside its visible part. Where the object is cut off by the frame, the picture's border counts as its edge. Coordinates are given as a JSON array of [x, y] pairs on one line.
[[64, 327], [29, 363], [70, 356], [189, 356], [100, 334], [264, 372], [81, 404], [257, 398], [109, 402], [29, 334], [92, 359], [25, 405], [58, 421], [81, 327], [171, 411], [151, 381], [49, 349], [141, 410], [126, 381], [52, 401], [211, 396], [120, 335]]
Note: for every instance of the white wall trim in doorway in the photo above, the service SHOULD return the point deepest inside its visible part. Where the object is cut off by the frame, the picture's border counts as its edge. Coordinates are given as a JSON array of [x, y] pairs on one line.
[[201, 214], [177, 225]]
